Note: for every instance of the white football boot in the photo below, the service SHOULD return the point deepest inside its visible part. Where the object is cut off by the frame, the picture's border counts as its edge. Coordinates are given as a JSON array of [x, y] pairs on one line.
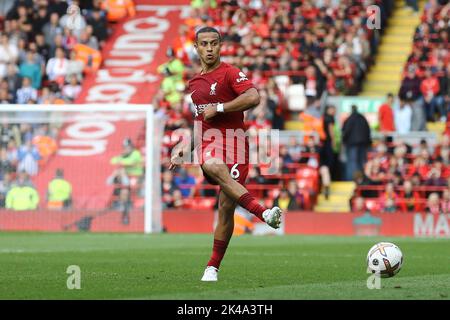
[[210, 274], [273, 217]]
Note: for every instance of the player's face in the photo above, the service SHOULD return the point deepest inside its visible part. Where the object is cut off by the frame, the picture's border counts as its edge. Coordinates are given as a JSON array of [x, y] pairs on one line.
[[208, 47]]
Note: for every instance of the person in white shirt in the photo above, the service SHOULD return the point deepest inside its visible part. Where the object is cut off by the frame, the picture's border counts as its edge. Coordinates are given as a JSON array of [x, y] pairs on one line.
[[26, 92], [57, 66], [9, 53], [72, 90], [402, 117]]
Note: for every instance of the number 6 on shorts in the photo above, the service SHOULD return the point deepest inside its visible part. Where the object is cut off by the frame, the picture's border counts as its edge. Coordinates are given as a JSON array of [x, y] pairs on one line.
[[234, 172]]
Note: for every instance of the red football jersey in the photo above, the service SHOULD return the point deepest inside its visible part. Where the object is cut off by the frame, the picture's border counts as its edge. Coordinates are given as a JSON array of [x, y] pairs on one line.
[[219, 86]]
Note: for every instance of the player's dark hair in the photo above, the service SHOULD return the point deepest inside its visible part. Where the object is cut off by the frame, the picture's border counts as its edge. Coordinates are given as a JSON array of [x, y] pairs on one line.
[[207, 29]]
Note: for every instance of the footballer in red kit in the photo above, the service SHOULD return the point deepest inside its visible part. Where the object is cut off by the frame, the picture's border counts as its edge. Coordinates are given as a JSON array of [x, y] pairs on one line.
[[222, 85], [221, 93]]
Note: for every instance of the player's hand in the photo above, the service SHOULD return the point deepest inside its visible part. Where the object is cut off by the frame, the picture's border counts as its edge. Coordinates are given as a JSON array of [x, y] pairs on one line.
[[176, 160], [210, 111]]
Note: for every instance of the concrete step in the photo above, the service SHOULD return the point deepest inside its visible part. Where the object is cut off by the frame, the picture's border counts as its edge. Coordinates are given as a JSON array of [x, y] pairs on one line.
[[395, 50], [380, 76], [392, 40], [342, 186], [333, 199], [404, 21], [387, 67], [332, 208], [391, 58], [382, 84]]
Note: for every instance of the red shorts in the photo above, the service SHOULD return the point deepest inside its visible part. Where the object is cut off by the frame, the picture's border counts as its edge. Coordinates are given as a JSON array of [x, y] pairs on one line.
[[235, 157]]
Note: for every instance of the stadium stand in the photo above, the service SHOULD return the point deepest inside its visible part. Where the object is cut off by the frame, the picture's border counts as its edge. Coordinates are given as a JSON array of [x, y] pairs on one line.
[[417, 174], [295, 52], [42, 61]]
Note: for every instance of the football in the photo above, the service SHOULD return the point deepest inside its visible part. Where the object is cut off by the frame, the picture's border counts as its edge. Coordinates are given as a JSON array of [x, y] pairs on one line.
[[385, 259]]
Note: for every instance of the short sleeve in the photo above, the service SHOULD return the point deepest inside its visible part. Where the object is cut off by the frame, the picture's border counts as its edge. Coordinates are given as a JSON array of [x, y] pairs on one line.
[[238, 81]]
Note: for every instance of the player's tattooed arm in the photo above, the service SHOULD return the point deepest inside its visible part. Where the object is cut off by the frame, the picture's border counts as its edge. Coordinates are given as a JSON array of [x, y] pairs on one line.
[[245, 101]]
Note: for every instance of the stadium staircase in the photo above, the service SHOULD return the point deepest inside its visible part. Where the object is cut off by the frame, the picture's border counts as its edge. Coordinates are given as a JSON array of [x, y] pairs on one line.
[[338, 201], [394, 49]]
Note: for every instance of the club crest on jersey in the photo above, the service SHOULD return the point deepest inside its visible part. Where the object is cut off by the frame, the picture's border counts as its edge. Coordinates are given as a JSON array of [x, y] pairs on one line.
[[242, 76], [213, 89]]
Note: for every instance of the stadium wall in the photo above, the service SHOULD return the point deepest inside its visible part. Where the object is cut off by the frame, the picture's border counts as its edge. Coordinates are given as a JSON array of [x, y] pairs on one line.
[[198, 221]]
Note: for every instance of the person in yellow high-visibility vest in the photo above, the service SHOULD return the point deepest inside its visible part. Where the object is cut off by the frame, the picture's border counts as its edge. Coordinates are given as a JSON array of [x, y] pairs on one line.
[[130, 159], [22, 196], [59, 192]]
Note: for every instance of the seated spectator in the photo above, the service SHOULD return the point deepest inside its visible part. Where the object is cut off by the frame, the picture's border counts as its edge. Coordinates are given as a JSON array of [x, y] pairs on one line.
[[185, 182], [42, 47], [52, 29], [57, 67], [284, 153], [358, 205], [430, 89], [433, 205], [410, 86], [75, 67], [389, 198], [66, 21], [9, 53], [292, 188], [22, 196], [409, 198], [30, 69], [294, 149], [361, 179], [28, 157], [285, 201], [71, 90], [99, 25], [177, 200], [59, 192], [437, 174], [445, 202], [26, 92], [423, 146]]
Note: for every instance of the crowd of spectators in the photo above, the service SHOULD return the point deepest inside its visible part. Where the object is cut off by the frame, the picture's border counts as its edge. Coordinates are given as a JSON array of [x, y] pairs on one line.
[[44, 57], [402, 177], [425, 84]]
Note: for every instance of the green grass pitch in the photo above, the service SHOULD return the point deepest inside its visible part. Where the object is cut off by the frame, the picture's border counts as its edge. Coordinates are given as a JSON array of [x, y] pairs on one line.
[[169, 266]]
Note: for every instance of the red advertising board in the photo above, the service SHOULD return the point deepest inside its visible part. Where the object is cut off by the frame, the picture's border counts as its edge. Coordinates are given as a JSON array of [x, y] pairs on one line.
[[197, 221]]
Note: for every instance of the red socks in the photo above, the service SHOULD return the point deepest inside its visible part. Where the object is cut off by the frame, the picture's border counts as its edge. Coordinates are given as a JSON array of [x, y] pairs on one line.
[[219, 249], [248, 202], [220, 246]]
